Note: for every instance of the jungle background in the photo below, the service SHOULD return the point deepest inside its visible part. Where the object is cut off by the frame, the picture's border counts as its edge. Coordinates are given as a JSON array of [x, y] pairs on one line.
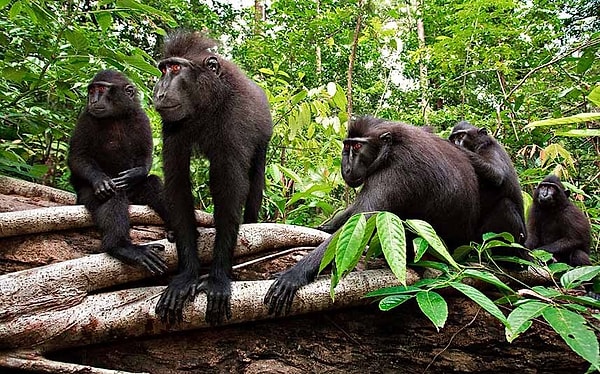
[[504, 65]]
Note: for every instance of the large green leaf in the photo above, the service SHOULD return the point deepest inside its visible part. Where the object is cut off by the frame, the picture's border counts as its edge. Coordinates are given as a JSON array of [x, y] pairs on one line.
[[348, 248], [329, 254], [578, 118], [572, 327], [391, 302], [487, 277], [482, 300], [424, 230], [594, 96], [147, 9], [520, 318], [393, 243], [577, 276], [578, 133], [434, 307]]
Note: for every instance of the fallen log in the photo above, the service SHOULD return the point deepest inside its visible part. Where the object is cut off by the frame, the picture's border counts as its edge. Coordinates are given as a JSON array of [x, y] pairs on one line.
[[65, 284], [130, 313], [75, 217], [16, 186]]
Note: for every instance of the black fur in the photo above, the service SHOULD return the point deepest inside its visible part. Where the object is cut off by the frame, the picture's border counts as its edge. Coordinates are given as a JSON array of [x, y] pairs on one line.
[[110, 156], [501, 197], [556, 225], [207, 104], [421, 176]]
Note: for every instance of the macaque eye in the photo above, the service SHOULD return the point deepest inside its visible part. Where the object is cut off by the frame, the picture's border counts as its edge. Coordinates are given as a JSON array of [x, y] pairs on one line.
[[97, 89], [356, 146], [163, 70], [174, 68], [346, 147]]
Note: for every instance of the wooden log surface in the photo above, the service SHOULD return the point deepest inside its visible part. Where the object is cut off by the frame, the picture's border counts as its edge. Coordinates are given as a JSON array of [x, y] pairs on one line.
[[130, 313], [20, 187], [49, 219], [67, 283]]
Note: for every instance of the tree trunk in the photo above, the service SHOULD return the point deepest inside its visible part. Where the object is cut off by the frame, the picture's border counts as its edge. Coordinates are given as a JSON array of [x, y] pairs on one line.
[[423, 76]]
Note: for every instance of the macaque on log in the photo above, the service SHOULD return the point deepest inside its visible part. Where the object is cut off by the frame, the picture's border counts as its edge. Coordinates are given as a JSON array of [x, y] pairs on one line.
[[40, 220]]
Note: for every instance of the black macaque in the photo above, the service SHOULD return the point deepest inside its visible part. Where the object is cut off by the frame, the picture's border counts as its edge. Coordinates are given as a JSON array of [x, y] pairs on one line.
[[501, 197], [405, 170], [208, 104], [110, 156], [556, 225]]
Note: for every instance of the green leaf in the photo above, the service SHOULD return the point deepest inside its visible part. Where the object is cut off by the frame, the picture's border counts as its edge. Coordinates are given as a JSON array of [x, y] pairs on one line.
[[15, 10], [487, 277], [329, 254], [577, 276], [299, 97], [266, 71], [482, 300], [594, 96], [443, 267], [105, 20], [393, 243], [146, 9], [434, 307], [503, 235], [339, 98], [573, 328], [394, 290], [348, 247], [578, 133], [546, 291], [420, 246], [424, 230], [519, 320], [139, 63], [77, 39], [585, 61], [391, 302], [4, 3], [578, 118], [462, 252]]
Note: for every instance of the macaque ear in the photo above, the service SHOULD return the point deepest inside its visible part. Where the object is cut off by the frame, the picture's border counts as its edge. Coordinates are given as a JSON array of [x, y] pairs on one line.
[[386, 137], [130, 91], [482, 131]]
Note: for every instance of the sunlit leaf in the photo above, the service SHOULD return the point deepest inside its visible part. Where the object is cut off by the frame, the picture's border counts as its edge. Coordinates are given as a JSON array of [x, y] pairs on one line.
[[520, 318], [434, 307], [487, 277], [329, 254], [391, 302], [578, 118], [572, 327], [482, 300], [393, 243], [577, 276], [424, 230], [348, 248], [594, 96], [420, 246], [105, 20]]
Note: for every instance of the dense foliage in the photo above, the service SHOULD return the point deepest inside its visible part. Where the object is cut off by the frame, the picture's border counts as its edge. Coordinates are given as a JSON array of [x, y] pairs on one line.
[[527, 70]]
